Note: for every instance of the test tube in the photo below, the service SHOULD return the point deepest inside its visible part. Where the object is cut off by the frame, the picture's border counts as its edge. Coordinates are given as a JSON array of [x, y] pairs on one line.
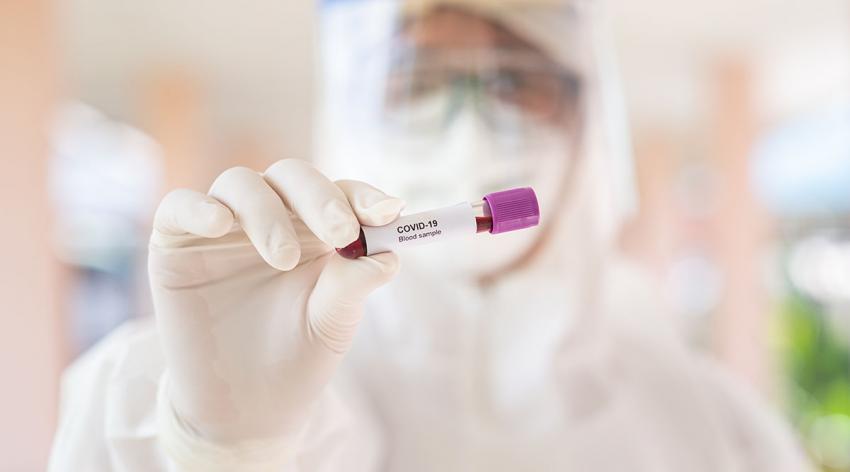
[[497, 212]]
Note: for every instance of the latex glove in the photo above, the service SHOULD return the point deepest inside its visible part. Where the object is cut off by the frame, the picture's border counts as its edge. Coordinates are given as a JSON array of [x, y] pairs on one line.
[[255, 309]]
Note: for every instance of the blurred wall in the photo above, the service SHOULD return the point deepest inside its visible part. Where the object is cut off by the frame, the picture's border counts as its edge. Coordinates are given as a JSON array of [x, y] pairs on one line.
[[704, 80], [248, 66], [31, 347]]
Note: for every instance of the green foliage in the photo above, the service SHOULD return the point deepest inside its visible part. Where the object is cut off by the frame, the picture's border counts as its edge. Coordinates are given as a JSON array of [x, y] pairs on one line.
[[816, 362]]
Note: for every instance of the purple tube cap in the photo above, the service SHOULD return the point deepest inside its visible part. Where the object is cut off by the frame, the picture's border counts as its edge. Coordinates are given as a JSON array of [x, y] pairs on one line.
[[513, 209]]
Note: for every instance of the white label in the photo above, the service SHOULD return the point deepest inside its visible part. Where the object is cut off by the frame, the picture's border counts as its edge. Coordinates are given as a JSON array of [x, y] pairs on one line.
[[421, 228]]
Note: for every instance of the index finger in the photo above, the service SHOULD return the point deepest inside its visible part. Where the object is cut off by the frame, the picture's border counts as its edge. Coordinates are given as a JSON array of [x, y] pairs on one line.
[[320, 204], [185, 211]]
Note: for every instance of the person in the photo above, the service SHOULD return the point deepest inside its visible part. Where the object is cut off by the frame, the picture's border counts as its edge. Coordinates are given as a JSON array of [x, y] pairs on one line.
[[536, 350]]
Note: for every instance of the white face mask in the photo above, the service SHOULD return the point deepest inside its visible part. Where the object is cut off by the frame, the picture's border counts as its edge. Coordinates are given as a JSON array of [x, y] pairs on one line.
[[466, 162]]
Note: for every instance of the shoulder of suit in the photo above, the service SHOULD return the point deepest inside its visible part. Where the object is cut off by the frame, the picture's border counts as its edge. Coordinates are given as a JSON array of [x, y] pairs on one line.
[[130, 350]]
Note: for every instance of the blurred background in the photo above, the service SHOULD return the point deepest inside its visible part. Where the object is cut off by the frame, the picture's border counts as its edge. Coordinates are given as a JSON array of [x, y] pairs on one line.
[[740, 111]]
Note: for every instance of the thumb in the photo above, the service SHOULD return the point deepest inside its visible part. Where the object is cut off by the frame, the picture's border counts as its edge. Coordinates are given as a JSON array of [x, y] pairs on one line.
[[336, 304]]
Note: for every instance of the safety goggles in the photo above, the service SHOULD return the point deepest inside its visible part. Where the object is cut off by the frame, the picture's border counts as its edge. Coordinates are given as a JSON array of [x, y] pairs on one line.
[[511, 90]]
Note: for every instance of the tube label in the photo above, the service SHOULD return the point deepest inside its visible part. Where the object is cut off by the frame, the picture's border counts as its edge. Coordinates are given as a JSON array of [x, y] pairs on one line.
[[421, 228]]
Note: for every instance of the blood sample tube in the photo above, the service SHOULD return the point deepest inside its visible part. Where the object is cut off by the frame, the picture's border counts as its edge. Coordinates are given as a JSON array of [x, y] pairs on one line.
[[498, 212]]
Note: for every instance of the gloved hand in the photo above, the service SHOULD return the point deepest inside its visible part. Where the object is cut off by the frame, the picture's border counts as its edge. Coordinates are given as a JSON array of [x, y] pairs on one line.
[[254, 309]]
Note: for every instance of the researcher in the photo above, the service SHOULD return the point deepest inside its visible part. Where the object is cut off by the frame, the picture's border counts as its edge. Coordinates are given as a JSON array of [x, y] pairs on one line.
[[538, 350]]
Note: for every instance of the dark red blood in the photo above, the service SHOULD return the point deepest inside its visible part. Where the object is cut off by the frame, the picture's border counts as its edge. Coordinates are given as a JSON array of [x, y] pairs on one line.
[[483, 223], [355, 249]]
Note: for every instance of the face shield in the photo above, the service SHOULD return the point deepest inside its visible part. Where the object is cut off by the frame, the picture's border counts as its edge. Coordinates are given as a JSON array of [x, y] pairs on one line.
[[444, 101]]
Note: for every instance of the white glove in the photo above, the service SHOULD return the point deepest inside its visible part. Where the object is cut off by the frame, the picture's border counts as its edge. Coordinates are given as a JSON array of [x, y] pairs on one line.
[[254, 309]]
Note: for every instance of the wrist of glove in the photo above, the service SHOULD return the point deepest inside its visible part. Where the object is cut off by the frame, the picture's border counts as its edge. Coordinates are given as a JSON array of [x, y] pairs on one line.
[[190, 451]]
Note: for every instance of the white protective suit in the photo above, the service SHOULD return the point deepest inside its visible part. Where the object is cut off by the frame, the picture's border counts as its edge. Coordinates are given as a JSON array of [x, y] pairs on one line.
[[560, 362]]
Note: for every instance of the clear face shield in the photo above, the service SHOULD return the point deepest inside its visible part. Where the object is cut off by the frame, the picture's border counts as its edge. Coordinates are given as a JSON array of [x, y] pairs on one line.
[[442, 102], [490, 118]]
